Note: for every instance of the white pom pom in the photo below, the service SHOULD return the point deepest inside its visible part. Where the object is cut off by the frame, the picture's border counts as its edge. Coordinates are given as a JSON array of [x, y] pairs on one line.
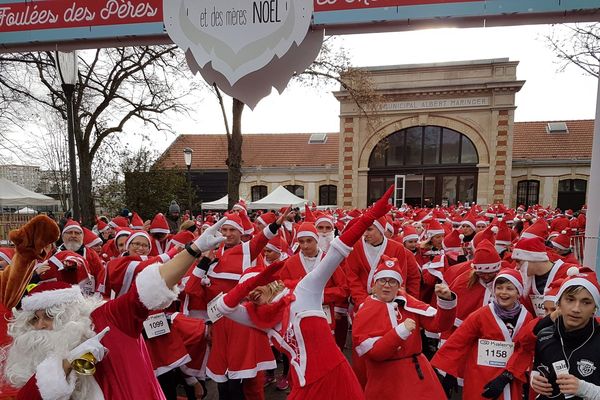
[[205, 281], [495, 229], [461, 236], [572, 271], [563, 232], [500, 219]]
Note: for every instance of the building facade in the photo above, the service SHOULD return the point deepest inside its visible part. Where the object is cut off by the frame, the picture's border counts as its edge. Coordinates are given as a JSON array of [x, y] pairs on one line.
[[443, 132], [27, 176]]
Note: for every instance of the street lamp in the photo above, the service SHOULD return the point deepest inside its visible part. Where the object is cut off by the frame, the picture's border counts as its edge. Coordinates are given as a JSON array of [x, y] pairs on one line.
[[187, 157], [66, 63]]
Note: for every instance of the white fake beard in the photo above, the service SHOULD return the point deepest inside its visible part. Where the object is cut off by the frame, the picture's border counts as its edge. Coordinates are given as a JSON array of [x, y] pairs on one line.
[[72, 245], [526, 278], [325, 240]]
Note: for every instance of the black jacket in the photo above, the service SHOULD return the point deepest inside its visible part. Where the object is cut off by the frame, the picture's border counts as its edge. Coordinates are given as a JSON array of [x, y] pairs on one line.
[[579, 349]]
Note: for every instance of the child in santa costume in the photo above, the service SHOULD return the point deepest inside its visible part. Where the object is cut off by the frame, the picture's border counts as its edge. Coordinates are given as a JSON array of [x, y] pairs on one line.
[[57, 325], [296, 324], [386, 333], [483, 343]]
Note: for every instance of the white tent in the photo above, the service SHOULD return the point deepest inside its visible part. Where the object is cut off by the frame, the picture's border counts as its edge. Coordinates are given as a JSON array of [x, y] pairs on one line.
[[13, 195], [26, 210], [220, 204], [278, 198]]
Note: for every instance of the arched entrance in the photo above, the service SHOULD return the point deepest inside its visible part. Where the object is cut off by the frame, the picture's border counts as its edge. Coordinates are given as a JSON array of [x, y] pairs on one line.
[[439, 165]]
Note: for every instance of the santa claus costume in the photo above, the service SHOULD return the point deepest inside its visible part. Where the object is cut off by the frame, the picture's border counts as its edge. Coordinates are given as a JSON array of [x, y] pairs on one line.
[[483, 343], [392, 352]]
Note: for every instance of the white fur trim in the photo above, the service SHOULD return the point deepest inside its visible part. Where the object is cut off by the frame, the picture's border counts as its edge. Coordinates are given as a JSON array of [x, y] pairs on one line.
[[138, 234], [558, 246], [152, 290], [486, 268], [234, 224], [366, 345], [51, 380], [341, 247], [50, 298], [324, 219], [410, 237], [5, 258], [160, 230], [268, 234], [309, 234], [433, 232], [580, 282], [512, 280], [447, 304], [72, 228], [379, 227], [388, 274], [273, 248], [526, 255], [402, 332], [465, 222]]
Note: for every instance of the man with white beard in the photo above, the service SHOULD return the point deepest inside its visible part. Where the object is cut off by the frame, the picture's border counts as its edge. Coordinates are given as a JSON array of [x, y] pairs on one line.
[[324, 224], [57, 325], [72, 237]]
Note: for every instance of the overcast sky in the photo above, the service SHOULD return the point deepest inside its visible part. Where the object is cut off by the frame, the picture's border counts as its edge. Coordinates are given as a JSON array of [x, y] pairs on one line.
[[547, 94]]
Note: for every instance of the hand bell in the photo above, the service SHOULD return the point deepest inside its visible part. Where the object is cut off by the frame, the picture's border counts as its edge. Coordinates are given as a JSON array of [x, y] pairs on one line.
[[85, 364]]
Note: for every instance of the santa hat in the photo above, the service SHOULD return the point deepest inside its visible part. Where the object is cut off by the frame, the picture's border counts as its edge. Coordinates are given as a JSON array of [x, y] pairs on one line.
[[159, 224], [246, 223], [117, 222], [538, 229], [323, 218], [352, 214], [481, 221], [434, 228], [276, 244], [486, 234], [470, 220], [388, 268], [588, 280], [452, 241], [439, 215], [6, 254], [138, 234], [551, 294], [102, 226], [180, 239], [486, 258], [504, 235], [61, 258], [50, 294], [90, 239], [569, 213], [380, 224], [137, 222], [234, 221], [267, 218], [409, 233], [240, 205], [513, 276], [308, 214], [72, 225], [562, 241], [307, 229], [532, 249], [122, 232]]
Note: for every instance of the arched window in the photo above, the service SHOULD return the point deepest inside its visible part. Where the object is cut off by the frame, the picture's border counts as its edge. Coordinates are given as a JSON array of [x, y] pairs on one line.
[[571, 194], [298, 190], [528, 193], [327, 195], [258, 192]]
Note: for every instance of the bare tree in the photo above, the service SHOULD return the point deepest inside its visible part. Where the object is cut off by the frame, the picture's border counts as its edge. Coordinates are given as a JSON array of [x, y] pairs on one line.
[[577, 44], [115, 86]]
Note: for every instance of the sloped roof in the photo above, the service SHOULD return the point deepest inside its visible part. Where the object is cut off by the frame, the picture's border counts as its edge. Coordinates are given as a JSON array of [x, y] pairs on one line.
[[258, 150], [532, 141]]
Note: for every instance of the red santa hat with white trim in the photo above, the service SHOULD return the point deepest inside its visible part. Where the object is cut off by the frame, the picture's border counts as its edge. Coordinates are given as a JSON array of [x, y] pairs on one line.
[[486, 259], [122, 232], [380, 224], [409, 233], [470, 219], [119, 221], [551, 294], [267, 218], [138, 234], [434, 228], [136, 221], [322, 217], [452, 241], [90, 239], [246, 223], [513, 276], [532, 249], [537, 229], [6, 254], [102, 226], [307, 229], [50, 294], [61, 258], [503, 236], [562, 241], [159, 224], [587, 279], [276, 244], [180, 239], [240, 205], [234, 221], [72, 225], [388, 268]]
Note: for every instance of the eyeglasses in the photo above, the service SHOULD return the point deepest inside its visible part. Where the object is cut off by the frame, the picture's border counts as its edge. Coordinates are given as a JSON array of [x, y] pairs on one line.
[[390, 282], [141, 245]]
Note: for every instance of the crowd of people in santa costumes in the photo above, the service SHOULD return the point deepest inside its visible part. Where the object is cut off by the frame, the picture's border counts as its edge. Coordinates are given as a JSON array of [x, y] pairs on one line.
[[452, 301]]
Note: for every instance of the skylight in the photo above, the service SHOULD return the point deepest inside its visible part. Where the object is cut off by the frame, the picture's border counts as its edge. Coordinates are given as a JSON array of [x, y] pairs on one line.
[[557, 127], [317, 138]]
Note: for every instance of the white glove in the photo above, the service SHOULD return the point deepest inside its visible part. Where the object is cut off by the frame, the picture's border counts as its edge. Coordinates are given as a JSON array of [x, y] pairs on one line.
[[92, 345], [211, 238]]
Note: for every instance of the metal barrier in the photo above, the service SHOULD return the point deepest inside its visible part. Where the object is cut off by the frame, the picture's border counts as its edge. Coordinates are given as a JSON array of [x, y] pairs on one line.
[[577, 244]]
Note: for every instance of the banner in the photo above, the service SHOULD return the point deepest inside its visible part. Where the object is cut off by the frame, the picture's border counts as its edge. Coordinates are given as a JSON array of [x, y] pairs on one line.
[[331, 5]]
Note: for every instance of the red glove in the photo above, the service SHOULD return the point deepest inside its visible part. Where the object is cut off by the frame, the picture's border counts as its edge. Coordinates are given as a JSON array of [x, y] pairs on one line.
[[241, 291], [379, 209]]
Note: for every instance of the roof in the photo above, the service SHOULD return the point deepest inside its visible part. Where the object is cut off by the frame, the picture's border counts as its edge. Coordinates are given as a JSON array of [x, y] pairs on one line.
[[532, 141], [258, 150]]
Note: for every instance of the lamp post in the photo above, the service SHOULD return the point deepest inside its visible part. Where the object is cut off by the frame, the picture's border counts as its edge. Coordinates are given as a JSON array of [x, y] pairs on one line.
[[66, 63], [187, 157]]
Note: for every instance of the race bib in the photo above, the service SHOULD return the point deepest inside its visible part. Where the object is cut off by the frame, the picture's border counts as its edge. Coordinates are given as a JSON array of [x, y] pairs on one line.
[[493, 353], [213, 311], [538, 304], [156, 325], [327, 311], [88, 286]]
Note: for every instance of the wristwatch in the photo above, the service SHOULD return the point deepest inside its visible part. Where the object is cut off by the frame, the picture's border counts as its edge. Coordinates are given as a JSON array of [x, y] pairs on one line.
[[192, 252]]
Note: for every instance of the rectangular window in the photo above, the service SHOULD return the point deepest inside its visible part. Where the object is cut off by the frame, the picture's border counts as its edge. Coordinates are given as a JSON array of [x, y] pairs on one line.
[[450, 147], [258, 192], [431, 145], [528, 193], [414, 137], [328, 195]]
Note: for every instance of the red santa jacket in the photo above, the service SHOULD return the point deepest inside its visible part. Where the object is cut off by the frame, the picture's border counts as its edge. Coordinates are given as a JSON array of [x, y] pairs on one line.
[[533, 299], [460, 352], [159, 246], [390, 357], [360, 272], [96, 274]]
